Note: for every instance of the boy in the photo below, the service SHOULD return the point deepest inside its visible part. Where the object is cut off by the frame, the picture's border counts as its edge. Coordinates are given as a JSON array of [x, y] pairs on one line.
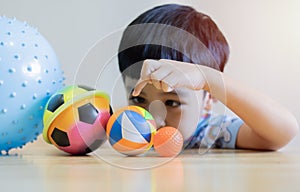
[[172, 60]]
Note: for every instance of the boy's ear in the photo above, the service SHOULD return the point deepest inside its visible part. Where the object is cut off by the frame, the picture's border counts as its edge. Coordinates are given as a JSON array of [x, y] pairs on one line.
[[214, 100], [209, 100], [208, 96]]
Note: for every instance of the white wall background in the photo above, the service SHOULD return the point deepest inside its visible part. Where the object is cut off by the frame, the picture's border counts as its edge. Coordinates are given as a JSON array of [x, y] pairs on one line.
[[264, 37]]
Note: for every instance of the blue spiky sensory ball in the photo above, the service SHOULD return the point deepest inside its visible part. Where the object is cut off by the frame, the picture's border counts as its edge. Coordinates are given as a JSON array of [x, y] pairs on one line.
[[29, 74]]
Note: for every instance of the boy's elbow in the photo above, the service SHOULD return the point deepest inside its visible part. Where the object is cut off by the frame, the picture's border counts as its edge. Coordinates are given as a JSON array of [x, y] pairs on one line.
[[291, 130]]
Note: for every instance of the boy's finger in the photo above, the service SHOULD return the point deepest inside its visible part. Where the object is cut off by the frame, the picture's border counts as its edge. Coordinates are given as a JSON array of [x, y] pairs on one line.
[[166, 87], [139, 87], [149, 66]]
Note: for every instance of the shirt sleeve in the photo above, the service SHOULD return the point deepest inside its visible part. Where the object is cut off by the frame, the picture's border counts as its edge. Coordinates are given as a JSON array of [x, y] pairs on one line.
[[228, 133], [219, 132]]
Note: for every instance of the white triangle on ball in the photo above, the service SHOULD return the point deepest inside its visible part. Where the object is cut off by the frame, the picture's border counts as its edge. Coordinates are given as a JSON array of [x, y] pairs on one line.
[[129, 131]]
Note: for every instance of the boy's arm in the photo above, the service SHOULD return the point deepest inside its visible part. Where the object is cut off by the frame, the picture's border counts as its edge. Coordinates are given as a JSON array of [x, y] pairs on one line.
[[268, 125]]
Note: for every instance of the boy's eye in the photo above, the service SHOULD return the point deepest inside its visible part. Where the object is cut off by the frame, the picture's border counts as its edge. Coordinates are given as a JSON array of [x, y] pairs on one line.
[[172, 103], [137, 100]]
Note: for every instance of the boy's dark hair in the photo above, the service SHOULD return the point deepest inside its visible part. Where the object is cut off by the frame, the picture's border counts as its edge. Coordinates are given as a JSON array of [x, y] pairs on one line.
[[173, 32]]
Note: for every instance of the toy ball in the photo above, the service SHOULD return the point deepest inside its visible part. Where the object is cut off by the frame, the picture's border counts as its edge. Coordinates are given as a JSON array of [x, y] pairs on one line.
[[75, 119], [29, 74], [130, 130], [168, 141]]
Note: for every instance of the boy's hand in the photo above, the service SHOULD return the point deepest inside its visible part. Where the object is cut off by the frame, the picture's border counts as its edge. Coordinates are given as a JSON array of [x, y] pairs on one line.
[[168, 75]]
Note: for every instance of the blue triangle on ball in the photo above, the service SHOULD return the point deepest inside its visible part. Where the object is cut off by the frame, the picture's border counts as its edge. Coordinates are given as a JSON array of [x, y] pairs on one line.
[[116, 131], [140, 124]]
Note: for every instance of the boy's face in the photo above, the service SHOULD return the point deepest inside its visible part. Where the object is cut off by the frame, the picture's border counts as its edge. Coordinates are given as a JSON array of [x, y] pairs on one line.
[[180, 108]]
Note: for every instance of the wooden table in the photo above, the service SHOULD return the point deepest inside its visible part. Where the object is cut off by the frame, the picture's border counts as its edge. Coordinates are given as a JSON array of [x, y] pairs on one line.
[[42, 167]]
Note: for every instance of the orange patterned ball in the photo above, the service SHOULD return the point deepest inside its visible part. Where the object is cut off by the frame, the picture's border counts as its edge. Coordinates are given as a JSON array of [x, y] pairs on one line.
[[168, 141]]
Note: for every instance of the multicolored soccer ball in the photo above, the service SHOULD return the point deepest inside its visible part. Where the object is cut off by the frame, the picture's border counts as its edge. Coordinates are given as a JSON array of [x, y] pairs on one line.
[[130, 130], [75, 119]]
